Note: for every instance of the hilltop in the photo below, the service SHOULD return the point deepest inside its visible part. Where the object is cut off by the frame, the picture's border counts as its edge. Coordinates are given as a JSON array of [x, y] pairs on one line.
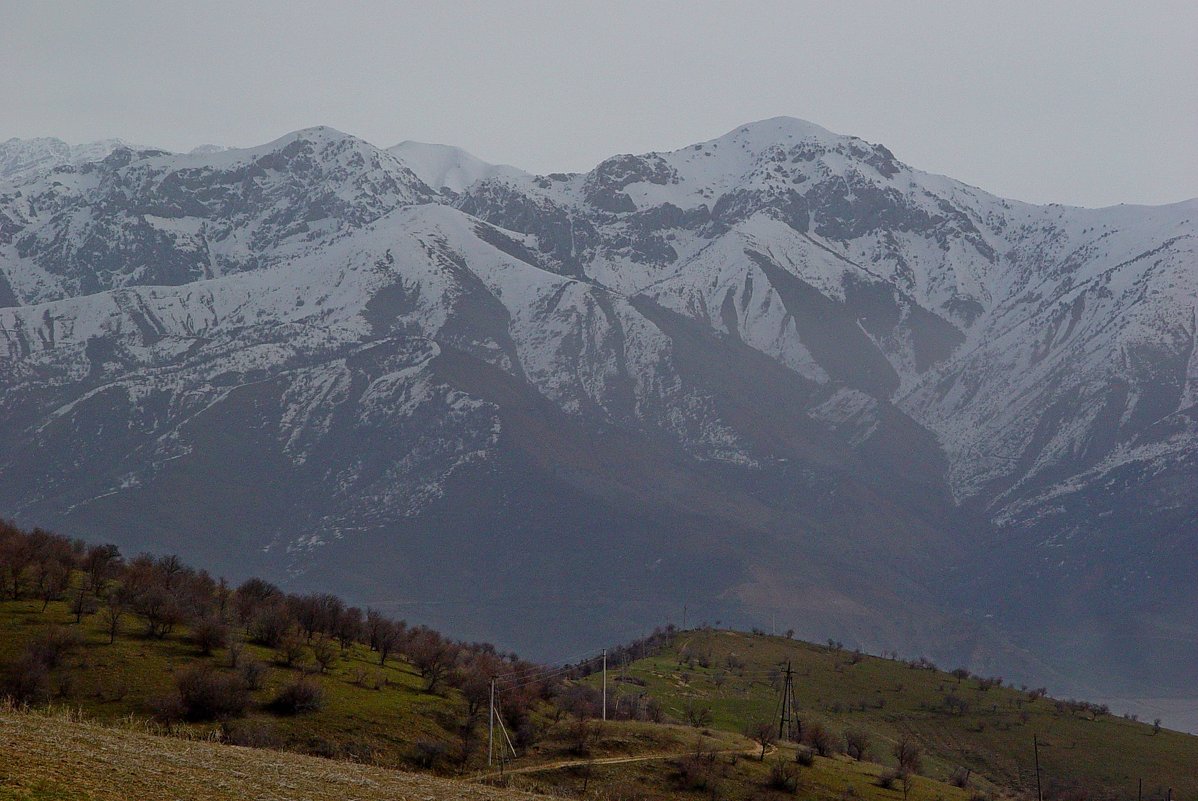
[[964, 724]]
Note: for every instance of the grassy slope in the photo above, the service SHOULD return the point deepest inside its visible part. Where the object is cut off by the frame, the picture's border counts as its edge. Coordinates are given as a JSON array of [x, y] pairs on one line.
[[110, 682], [735, 776], [116, 683], [992, 737], [54, 758]]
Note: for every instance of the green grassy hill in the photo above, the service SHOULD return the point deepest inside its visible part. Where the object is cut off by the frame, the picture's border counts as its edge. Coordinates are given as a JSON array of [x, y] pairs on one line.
[[383, 715], [184, 660], [370, 712], [962, 723]]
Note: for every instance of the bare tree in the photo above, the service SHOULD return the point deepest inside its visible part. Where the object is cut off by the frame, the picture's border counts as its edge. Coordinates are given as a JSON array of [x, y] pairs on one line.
[[909, 754], [99, 564], [51, 578], [762, 732], [82, 604], [430, 653], [856, 743], [386, 638], [325, 653], [291, 647], [111, 614], [209, 633]]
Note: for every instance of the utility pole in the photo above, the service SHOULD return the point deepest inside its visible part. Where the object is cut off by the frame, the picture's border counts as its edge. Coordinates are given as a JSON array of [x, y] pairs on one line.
[[605, 684], [1036, 746], [491, 727], [787, 718], [684, 617]]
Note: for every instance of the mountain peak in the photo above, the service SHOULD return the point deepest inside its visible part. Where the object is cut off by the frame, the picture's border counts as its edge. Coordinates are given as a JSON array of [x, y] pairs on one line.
[[443, 166], [773, 129], [316, 134], [24, 158]]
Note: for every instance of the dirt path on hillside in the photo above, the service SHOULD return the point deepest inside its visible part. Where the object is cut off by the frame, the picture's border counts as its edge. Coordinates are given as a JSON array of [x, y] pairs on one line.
[[578, 763]]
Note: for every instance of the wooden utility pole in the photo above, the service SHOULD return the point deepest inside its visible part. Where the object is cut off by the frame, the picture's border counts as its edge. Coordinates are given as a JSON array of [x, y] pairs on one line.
[[605, 684], [786, 719], [491, 727], [1036, 746]]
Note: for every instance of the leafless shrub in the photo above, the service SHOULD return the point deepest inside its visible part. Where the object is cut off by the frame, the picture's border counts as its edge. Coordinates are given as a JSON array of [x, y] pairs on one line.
[[252, 672], [819, 737], [428, 754], [209, 695], [208, 634], [697, 714], [26, 680], [783, 776], [251, 734], [301, 695], [856, 743], [54, 645]]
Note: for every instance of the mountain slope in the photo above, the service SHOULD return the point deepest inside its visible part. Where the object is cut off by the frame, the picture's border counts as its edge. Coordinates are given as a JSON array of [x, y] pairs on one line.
[[779, 372]]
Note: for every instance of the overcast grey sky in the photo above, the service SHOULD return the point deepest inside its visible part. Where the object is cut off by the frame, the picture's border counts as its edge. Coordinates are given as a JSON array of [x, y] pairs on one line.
[[1091, 103]]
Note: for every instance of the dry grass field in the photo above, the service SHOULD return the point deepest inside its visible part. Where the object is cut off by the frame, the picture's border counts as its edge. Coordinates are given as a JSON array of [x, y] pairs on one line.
[[55, 757]]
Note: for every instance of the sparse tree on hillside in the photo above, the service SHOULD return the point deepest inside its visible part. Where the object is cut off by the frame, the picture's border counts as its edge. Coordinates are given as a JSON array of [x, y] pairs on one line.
[[349, 627], [291, 647], [112, 613], [160, 609], [856, 743], [223, 596], [250, 598], [763, 733], [472, 677], [271, 623], [386, 639], [698, 714], [819, 737], [430, 653], [374, 625], [82, 604], [51, 580], [100, 564], [324, 652], [909, 754], [209, 633]]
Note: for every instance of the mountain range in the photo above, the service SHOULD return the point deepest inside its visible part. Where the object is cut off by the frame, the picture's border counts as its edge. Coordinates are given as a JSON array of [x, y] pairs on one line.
[[778, 378]]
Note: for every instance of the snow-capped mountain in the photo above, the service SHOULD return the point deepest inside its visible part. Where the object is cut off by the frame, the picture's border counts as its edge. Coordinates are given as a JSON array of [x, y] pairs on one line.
[[779, 372], [21, 159]]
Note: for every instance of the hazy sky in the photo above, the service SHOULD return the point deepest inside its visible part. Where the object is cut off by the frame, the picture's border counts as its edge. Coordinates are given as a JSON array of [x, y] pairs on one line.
[[1090, 103]]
